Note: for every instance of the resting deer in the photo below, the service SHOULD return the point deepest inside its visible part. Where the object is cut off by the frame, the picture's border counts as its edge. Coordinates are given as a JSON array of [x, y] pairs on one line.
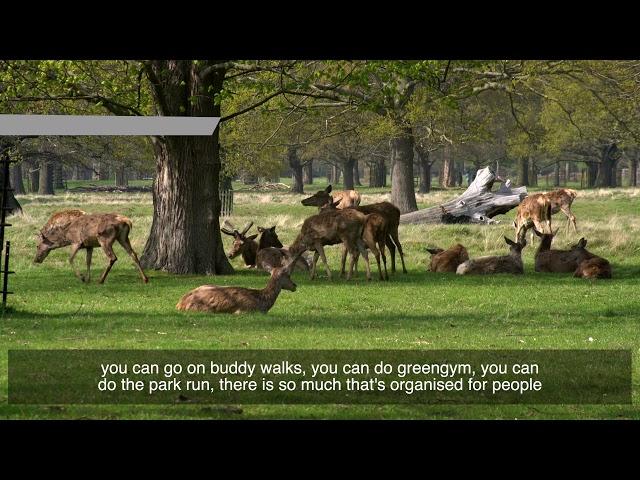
[[533, 211], [590, 265], [561, 200], [389, 211], [511, 263], [345, 198], [216, 299], [82, 230], [330, 227], [447, 260], [242, 244], [556, 261]]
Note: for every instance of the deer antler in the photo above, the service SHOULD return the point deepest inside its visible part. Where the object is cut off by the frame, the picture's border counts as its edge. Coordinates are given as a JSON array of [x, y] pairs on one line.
[[246, 228], [228, 228]]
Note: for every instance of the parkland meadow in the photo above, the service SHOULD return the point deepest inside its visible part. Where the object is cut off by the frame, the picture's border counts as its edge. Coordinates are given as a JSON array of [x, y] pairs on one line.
[[52, 309]]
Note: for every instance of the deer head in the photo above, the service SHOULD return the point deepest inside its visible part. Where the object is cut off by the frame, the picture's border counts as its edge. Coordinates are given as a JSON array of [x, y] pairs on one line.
[[516, 248], [282, 275], [43, 249], [319, 199], [240, 239], [269, 238], [581, 245]]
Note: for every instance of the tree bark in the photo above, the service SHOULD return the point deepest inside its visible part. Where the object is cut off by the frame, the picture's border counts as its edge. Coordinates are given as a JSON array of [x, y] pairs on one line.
[[556, 175], [307, 173], [478, 204], [122, 179], [448, 178], [296, 170], [16, 179], [533, 172], [356, 175], [335, 174], [523, 171], [45, 182], [58, 175], [185, 234], [592, 174], [633, 172], [381, 172], [347, 168], [403, 194]]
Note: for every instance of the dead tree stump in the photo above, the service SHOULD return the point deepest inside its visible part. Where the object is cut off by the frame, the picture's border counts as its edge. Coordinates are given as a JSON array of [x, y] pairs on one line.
[[478, 204]]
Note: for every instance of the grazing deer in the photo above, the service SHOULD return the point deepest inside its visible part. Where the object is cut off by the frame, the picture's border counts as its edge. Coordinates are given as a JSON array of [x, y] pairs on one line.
[[511, 263], [561, 200], [82, 230], [216, 299], [556, 261], [388, 210], [330, 227], [590, 265], [447, 260], [345, 198], [533, 211], [242, 244]]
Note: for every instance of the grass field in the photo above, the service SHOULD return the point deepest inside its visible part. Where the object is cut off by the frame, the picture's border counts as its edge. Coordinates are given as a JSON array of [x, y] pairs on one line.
[[420, 310]]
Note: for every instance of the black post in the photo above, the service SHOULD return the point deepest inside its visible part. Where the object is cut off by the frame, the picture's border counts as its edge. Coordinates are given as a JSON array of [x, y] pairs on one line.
[[3, 217], [5, 278]]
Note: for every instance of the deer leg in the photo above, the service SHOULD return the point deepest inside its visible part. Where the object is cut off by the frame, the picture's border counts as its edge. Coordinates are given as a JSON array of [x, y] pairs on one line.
[[392, 250], [397, 242], [87, 277], [314, 263], [364, 253], [74, 250], [384, 259], [324, 260], [107, 248], [571, 218], [343, 262], [129, 249]]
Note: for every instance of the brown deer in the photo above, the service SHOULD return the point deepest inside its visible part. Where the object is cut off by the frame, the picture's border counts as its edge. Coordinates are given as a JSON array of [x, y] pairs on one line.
[[217, 299], [330, 227], [82, 230], [242, 244], [561, 200], [345, 198], [272, 257], [590, 266], [447, 260], [511, 263], [556, 261], [388, 210], [533, 211]]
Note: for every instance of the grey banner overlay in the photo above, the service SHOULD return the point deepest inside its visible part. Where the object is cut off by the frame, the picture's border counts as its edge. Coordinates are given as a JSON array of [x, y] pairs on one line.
[[106, 125]]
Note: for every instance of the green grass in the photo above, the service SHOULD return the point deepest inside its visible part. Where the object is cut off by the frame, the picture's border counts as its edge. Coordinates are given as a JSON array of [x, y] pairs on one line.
[[420, 310]]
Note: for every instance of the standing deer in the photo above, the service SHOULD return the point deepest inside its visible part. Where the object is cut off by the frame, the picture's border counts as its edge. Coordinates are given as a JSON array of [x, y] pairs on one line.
[[388, 210], [82, 230], [561, 200], [216, 299], [345, 198], [533, 211], [330, 227], [511, 263], [447, 260]]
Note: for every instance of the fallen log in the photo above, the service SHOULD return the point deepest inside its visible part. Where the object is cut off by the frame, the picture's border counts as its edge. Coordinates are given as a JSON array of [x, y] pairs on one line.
[[478, 204]]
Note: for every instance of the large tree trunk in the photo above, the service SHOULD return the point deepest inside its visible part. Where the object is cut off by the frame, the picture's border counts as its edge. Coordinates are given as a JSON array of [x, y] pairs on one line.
[[403, 194], [16, 179], [335, 174], [122, 179], [13, 206], [523, 171], [307, 173], [633, 171], [347, 168], [296, 170], [478, 204], [606, 176], [425, 170], [34, 177], [45, 182], [592, 174], [356, 175], [533, 172], [185, 234], [556, 175]]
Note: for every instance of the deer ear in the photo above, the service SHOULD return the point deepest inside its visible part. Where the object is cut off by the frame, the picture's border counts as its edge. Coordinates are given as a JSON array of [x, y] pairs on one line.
[[537, 232], [252, 237], [509, 241], [434, 251], [328, 189], [273, 229], [582, 243]]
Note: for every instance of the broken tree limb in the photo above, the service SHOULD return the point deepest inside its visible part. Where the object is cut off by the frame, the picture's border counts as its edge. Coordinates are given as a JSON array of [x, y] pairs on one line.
[[478, 204]]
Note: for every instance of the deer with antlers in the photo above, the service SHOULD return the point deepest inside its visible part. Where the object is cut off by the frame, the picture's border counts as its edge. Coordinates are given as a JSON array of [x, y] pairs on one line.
[[87, 231], [217, 299], [242, 244]]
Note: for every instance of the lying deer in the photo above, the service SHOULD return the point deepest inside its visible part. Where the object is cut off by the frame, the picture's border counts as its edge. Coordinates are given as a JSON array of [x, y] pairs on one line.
[[216, 299], [511, 263], [561, 200], [447, 260], [82, 230], [345, 198], [242, 244], [533, 211], [271, 252], [556, 261], [590, 265], [330, 227], [389, 211]]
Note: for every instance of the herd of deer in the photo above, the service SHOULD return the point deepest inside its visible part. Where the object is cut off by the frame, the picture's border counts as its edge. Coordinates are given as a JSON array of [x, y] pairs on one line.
[[340, 220]]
